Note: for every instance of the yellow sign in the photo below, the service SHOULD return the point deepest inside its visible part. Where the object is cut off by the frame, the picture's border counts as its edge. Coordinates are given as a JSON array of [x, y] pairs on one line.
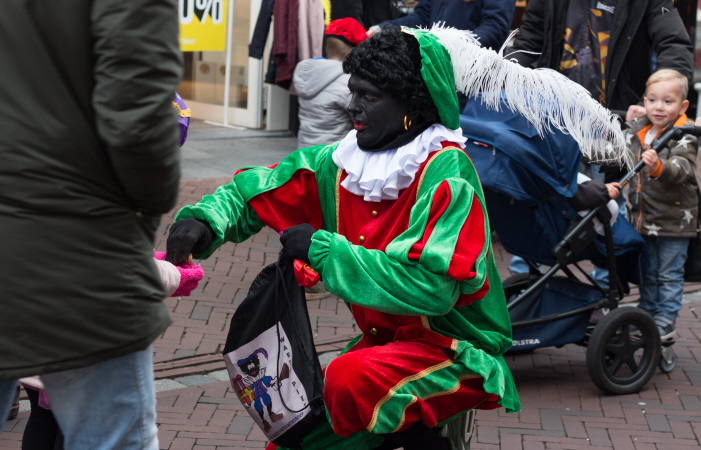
[[202, 25]]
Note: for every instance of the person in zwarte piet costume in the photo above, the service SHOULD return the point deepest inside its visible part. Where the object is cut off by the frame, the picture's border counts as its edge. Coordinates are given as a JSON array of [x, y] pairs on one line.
[[393, 219]]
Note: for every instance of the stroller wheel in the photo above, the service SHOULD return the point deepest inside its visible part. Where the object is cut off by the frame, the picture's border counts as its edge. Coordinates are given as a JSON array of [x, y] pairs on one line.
[[623, 351], [668, 359]]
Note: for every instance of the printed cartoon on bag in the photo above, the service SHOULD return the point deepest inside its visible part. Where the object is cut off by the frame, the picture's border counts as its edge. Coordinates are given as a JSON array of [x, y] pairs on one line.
[[247, 367]]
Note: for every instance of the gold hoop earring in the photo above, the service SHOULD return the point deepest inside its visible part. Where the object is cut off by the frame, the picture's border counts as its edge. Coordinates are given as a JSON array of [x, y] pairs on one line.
[[407, 125]]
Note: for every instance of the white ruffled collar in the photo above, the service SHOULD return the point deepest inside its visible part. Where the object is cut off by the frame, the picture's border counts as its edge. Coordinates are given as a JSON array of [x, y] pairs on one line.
[[380, 176]]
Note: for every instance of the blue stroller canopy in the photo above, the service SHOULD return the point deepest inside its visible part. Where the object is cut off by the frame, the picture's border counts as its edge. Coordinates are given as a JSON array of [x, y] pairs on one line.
[[527, 180], [554, 158]]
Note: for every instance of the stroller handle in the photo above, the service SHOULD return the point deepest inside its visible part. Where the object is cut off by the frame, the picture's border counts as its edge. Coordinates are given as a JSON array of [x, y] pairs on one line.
[[658, 144]]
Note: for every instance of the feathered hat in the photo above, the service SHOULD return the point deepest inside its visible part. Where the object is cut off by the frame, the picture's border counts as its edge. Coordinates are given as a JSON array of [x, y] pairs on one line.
[[453, 59]]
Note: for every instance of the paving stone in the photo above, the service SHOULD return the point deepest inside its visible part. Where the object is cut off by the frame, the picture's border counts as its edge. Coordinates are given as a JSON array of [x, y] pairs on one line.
[[241, 425], [658, 422], [221, 375], [182, 353], [168, 385], [326, 358], [196, 380], [200, 312]]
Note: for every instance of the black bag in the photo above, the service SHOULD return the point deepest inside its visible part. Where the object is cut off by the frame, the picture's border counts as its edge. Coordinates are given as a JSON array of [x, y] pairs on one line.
[[692, 268], [271, 359]]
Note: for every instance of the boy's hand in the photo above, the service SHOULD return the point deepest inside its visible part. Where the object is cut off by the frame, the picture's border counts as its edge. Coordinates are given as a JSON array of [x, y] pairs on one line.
[[651, 160], [187, 236], [614, 190], [634, 111]]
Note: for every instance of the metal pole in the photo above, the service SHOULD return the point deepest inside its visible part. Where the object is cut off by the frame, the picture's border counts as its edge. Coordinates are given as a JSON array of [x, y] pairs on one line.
[[227, 68]]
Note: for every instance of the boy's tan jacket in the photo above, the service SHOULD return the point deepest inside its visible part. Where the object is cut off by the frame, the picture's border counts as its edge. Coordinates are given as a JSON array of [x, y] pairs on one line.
[[666, 205]]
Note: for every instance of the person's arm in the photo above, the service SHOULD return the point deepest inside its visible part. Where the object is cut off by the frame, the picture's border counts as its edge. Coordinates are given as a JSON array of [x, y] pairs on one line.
[[669, 38], [424, 270], [681, 164], [495, 22], [280, 196], [590, 194], [137, 68], [528, 44]]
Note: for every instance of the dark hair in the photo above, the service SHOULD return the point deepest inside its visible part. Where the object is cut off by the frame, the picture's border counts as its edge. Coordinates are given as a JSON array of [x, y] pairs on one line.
[[391, 60]]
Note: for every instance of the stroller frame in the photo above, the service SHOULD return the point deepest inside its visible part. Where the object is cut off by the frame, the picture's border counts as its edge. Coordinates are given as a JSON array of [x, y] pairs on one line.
[[613, 342]]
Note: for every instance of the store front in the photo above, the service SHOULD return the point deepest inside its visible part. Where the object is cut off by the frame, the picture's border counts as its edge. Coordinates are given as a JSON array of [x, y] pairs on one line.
[[221, 83]]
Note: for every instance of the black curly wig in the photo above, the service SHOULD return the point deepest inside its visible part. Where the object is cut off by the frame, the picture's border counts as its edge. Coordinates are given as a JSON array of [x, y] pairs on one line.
[[391, 60]]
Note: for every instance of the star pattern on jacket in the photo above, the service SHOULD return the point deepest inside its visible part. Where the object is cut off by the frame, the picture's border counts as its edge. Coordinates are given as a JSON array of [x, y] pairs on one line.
[[652, 229], [629, 139], [684, 142], [687, 216]]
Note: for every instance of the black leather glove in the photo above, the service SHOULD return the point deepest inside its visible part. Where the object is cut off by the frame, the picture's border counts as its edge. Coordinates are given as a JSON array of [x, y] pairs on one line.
[[296, 241], [187, 236]]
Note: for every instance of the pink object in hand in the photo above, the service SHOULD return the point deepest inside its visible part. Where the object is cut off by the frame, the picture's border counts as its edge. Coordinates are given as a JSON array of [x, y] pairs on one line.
[[190, 276]]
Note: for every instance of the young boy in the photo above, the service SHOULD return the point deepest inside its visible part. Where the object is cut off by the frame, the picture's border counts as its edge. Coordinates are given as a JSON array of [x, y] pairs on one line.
[[663, 195], [323, 87]]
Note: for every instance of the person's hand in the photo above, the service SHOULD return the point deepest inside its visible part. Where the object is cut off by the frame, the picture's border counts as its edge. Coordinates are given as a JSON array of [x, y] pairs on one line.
[[187, 236], [650, 159], [373, 30], [296, 241], [614, 190], [635, 111]]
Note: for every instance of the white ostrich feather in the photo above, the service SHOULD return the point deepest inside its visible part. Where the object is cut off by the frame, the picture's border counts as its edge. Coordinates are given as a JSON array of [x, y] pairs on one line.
[[544, 97]]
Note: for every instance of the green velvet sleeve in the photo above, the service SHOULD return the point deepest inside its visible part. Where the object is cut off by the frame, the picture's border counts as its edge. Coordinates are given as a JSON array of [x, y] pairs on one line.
[[227, 210], [372, 279]]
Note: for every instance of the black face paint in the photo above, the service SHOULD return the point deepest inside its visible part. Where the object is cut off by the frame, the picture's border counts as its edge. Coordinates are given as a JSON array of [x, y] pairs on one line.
[[378, 118]]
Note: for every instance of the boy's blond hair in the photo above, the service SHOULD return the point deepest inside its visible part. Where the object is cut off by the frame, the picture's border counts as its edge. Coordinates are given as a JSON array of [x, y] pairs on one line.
[[670, 75], [335, 48]]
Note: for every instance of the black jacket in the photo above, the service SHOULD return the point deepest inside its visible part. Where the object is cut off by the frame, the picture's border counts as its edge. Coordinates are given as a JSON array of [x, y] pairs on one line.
[[89, 161], [640, 28]]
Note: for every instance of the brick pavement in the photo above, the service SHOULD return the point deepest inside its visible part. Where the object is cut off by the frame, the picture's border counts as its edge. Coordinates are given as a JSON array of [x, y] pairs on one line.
[[562, 409]]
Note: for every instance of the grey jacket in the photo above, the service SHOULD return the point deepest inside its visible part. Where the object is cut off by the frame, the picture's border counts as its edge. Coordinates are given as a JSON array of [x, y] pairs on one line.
[[666, 205], [88, 162], [323, 97]]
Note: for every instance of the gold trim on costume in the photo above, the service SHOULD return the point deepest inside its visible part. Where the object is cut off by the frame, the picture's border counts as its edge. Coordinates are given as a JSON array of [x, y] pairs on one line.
[[425, 322], [401, 422], [455, 388], [182, 112], [396, 387], [421, 179], [338, 199]]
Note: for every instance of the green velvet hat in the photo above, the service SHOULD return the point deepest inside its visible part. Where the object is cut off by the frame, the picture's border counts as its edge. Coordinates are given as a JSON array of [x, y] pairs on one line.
[[437, 73]]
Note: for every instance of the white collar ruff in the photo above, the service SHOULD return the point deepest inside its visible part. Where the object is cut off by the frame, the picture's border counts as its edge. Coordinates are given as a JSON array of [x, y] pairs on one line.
[[380, 176]]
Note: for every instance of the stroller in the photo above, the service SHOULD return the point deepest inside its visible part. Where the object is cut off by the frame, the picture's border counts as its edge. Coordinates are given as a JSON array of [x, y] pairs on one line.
[[527, 181]]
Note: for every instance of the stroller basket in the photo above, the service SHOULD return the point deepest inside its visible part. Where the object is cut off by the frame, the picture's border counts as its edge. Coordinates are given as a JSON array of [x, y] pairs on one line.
[[558, 295]]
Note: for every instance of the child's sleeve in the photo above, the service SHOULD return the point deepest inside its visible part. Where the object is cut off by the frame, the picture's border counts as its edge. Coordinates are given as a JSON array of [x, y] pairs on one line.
[[680, 166]]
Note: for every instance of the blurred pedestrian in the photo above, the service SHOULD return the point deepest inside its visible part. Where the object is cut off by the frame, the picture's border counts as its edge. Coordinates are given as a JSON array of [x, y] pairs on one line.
[[607, 45], [88, 163], [490, 20], [323, 87], [663, 196]]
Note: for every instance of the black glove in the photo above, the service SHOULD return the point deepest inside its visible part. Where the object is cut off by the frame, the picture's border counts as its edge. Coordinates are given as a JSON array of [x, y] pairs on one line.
[[187, 236], [296, 241]]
